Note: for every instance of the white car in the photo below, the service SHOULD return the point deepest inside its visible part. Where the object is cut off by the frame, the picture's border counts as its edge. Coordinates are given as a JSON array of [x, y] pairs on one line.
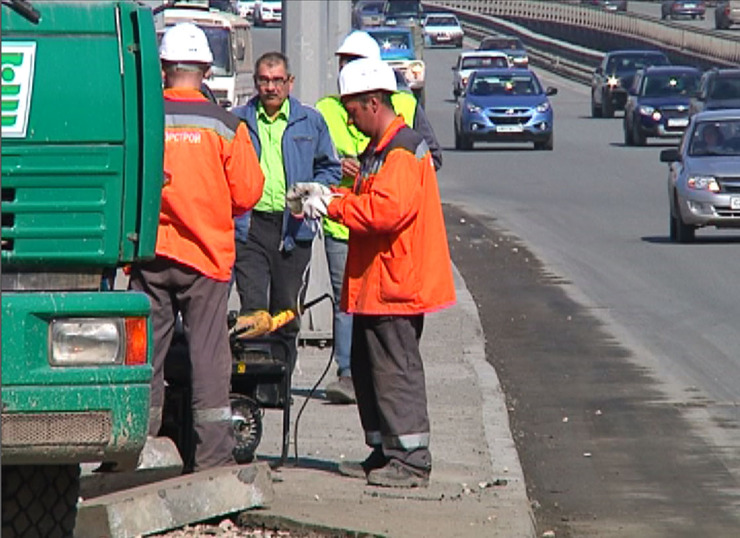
[[469, 61], [268, 12], [442, 29]]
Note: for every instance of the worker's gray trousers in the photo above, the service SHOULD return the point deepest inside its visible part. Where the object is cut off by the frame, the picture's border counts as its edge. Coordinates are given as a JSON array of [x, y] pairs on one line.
[[388, 377], [202, 302]]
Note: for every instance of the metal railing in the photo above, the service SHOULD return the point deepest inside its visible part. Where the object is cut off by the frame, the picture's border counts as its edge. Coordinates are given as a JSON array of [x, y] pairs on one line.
[[704, 44]]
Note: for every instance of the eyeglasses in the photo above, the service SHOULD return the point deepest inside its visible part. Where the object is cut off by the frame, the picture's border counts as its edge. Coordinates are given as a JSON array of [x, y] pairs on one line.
[[278, 82]]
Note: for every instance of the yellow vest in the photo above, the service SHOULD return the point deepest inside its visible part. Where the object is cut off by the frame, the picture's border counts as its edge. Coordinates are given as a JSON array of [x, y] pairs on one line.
[[350, 142]]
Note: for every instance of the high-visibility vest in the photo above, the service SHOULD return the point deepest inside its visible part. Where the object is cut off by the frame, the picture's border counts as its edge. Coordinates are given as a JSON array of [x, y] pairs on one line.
[[350, 142]]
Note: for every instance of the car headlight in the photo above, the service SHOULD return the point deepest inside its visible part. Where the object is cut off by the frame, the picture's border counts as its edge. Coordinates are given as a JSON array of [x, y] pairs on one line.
[[703, 183], [98, 341], [473, 108], [612, 81], [543, 107], [646, 110], [464, 81], [417, 68]]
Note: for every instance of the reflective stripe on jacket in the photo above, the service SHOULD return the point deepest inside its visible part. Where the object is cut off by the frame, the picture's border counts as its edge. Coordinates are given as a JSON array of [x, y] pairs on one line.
[[398, 261], [211, 175]]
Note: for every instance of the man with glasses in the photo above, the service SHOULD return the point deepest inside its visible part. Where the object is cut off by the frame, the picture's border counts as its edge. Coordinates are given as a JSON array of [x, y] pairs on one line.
[[273, 248]]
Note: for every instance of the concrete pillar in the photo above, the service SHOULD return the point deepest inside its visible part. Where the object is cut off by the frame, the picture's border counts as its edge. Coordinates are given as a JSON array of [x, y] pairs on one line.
[[312, 30]]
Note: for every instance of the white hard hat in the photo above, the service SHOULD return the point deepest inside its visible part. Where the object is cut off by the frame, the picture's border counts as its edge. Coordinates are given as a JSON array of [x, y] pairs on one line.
[[366, 75], [361, 44], [186, 43]]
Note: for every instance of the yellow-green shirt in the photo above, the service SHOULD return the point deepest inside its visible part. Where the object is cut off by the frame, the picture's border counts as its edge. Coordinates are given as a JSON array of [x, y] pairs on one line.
[[271, 131]]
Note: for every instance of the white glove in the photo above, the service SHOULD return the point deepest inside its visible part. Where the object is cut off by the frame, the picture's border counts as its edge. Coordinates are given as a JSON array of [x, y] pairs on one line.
[[298, 193], [316, 206]]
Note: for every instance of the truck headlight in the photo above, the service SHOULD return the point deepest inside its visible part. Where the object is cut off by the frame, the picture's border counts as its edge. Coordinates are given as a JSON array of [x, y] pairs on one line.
[[98, 341]]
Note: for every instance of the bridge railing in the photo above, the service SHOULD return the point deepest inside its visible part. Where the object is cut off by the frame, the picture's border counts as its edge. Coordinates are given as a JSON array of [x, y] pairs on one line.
[[704, 44]]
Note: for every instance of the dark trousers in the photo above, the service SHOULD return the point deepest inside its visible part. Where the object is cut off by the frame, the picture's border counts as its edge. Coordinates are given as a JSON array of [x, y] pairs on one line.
[[202, 302], [388, 377], [268, 278]]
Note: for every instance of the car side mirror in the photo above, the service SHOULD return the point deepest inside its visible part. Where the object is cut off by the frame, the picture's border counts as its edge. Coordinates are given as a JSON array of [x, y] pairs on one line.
[[670, 156], [551, 91]]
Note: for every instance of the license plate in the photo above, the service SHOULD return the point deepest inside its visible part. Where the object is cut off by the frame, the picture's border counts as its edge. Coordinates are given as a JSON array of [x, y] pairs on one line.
[[443, 37], [509, 128], [734, 202], [689, 6], [678, 122]]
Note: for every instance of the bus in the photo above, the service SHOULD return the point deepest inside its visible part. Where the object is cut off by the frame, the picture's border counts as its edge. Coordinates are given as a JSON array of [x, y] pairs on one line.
[[230, 38]]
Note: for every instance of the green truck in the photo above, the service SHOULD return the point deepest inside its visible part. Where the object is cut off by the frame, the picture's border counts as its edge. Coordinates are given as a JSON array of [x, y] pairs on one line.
[[82, 150]]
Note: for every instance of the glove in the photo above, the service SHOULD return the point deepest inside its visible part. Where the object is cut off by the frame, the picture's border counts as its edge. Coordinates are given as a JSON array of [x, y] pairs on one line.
[[251, 325], [298, 193], [316, 206]]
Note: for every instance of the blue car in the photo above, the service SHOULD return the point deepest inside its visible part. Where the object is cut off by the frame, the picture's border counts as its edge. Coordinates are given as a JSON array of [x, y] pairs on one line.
[[658, 103], [504, 105]]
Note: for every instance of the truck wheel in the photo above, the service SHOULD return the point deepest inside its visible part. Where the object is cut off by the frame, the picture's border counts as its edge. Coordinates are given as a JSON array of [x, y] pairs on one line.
[[40, 501]]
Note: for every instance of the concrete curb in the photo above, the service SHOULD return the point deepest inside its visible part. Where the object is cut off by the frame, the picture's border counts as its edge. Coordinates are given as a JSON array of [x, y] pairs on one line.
[[175, 502]]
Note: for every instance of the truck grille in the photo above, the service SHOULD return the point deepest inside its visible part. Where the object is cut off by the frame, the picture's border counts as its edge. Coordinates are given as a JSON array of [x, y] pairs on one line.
[[92, 428]]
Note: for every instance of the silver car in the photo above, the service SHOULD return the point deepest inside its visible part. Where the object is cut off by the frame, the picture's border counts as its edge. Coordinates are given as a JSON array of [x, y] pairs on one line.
[[704, 175]]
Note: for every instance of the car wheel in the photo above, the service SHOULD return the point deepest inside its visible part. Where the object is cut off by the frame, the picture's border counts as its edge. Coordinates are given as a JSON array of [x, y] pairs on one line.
[[607, 109], [627, 128], [685, 233], [595, 109], [638, 137], [545, 145], [672, 227], [458, 140], [456, 92]]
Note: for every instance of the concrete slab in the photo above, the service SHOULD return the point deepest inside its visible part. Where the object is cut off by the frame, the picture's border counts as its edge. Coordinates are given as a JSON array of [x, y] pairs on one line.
[[175, 502], [159, 460]]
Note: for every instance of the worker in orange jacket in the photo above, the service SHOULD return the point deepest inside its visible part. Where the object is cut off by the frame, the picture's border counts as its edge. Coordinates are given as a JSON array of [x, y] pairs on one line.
[[211, 175], [398, 269]]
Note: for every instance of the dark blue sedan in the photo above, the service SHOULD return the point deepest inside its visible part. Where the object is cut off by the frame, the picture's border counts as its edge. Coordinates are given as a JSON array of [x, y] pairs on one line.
[[658, 103], [504, 105]]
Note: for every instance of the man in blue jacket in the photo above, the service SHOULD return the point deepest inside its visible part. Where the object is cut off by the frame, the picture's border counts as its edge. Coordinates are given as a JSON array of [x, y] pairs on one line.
[[273, 248]]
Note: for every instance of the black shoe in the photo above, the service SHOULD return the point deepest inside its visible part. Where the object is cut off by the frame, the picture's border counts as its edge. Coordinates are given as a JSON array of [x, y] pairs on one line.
[[360, 469], [397, 475]]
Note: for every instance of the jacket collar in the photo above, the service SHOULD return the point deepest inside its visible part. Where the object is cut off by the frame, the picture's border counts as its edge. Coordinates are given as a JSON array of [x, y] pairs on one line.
[[396, 125], [183, 94], [297, 110]]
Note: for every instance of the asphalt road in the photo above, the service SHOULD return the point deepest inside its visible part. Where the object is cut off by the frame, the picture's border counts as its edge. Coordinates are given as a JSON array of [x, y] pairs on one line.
[[653, 9], [596, 214], [591, 313]]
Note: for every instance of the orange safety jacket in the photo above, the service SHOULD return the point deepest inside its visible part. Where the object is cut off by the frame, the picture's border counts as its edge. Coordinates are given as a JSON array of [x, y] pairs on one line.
[[398, 261], [212, 174]]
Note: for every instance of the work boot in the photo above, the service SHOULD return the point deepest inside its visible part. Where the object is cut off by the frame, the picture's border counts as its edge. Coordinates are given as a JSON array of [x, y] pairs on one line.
[[360, 469], [397, 475], [341, 391]]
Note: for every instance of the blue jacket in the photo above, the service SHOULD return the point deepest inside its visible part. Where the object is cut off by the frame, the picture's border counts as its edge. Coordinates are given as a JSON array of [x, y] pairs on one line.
[[308, 155]]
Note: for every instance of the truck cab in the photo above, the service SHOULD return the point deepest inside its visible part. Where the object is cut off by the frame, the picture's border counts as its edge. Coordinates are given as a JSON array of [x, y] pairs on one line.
[[82, 172]]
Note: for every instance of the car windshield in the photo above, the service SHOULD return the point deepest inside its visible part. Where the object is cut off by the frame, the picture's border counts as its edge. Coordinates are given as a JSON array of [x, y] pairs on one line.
[[441, 21], [634, 62], [665, 85], [476, 62], [504, 85], [388, 41], [220, 43], [402, 7], [725, 88], [501, 43], [715, 138], [372, 8]]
